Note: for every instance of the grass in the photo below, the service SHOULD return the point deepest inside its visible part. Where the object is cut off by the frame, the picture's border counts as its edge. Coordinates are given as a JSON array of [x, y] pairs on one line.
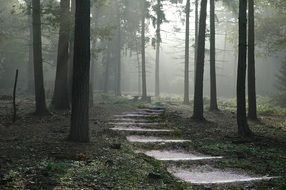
[[99, 166]]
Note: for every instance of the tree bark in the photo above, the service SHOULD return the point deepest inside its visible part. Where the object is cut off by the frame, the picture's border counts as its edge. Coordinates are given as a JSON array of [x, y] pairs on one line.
[[71, 49], [252, 109], [243, 128], [198, 113], [196, 36], [187, 50], [144, 88], [118, 62], [213, 89], [41, 108], [79, 131], [107, 69], [158, 41], [30, 77], [60, 99], [14, 97]]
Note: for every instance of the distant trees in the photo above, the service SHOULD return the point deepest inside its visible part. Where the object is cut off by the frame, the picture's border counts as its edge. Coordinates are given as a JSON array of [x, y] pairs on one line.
[[79, 131], [41, 108], [198, 113], [60, 99], [187, 50], [243, 128]]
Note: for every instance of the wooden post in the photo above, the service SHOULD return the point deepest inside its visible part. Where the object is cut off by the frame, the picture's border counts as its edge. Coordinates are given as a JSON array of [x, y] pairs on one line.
[[14, 97]]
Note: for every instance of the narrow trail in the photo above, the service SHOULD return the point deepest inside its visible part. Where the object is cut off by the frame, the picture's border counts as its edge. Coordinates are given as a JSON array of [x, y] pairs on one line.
[[148, 127]]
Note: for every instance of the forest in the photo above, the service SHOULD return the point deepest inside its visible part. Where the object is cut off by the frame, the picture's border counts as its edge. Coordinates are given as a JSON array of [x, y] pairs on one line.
[[142, 94]]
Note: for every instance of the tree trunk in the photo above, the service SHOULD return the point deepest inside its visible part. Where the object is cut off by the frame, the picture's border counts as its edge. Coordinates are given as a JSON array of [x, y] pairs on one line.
[[187, 50], [196, 36], [213, 89], [243, 128], [139, 70], [118, 63], [107, 69], [79, 131], [144, 88], [71, 49], [158, 41], [41, 108], [252, 110], [198, 113], [118, 52], [30, 77], [61, 95]]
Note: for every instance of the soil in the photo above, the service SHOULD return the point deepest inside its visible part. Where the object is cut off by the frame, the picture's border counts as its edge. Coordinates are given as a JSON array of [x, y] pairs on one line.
[[34, 152]]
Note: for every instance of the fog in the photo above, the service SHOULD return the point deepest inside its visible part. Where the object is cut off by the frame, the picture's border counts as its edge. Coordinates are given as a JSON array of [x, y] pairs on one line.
[[15, 51]]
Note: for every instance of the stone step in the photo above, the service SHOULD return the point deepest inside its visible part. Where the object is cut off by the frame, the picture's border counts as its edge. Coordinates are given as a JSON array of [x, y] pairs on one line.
[[204, 175], [174, 155], [142, 113], [153, 110], [133, 124], [151, 139], [132, 116], [139, 129], [130, 120]]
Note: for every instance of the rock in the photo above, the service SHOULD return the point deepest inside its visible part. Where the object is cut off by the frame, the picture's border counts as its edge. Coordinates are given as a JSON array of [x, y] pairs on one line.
[[115, 146]]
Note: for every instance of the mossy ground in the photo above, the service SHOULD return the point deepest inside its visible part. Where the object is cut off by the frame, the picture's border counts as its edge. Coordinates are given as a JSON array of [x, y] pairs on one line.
[[35, 155]]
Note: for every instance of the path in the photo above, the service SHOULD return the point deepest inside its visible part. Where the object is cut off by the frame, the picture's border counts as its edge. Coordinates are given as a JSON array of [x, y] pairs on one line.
[[156, 132]]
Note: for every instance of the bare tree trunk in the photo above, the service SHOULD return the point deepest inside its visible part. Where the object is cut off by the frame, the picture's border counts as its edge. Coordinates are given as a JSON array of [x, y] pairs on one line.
[[61, 95], [198, 113], [14, 97], [213, 89], [252, 109], [243, 128], [107, 69], [30, 77], [41, 108], [196, 36], [144, 88], [187, 51], [158, 41], [79, 131], [139, 70], [118, 63], [71, 49]]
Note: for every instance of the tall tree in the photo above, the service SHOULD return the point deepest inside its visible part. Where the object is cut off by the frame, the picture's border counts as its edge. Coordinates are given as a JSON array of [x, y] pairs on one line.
[[198, 113], [252, 110], [243, 128], [118, 58], [30, 77], [60, 99], [71, 48], [187, 50], [213, 89], [143, 63], [159, 19], [41, 108], [79, 131], [196, 36], [107, 67]]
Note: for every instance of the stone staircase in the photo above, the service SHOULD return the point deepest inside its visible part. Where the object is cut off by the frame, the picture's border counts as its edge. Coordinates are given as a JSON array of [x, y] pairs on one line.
[[149, 121]]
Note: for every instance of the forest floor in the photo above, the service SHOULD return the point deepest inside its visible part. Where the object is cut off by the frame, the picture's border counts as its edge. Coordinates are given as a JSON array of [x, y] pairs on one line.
[[35, 155]]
